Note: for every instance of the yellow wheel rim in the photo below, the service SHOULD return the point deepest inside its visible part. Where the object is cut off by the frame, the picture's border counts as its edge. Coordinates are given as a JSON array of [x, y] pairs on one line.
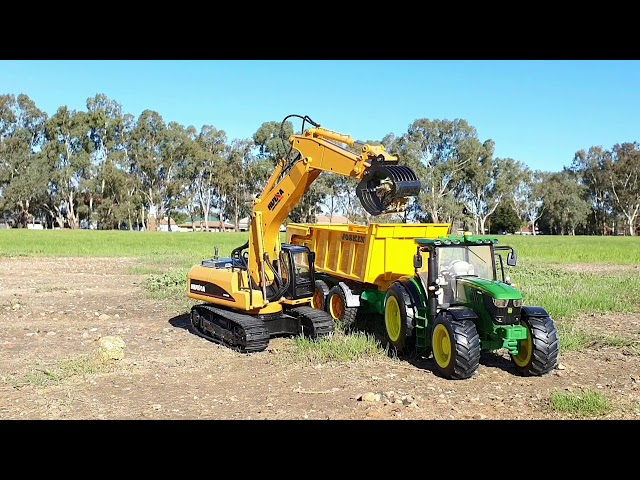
[[525, 351], [392, 319], [336, 307], [441, 345], [316, 300]]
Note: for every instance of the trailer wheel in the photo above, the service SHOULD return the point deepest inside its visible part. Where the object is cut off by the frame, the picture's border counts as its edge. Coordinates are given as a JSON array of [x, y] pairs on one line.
[[398, 318], [318, 301], [538, 353], [456, 347], [338, 309]]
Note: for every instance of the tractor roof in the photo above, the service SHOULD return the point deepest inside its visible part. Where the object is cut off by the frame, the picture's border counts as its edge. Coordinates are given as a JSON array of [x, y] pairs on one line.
[[467, 239]]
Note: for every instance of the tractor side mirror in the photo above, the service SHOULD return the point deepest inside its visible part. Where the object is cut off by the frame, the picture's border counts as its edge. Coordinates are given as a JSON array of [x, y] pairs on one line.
[[512, 259], [417, 261]]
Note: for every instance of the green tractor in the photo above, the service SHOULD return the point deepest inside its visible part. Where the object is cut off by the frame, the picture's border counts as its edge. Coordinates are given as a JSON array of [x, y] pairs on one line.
[[457, 307]]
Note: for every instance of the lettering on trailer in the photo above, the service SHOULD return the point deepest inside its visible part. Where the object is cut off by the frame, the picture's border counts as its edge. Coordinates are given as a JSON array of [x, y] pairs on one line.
[[276, 199], [350, 237], [210, 290]]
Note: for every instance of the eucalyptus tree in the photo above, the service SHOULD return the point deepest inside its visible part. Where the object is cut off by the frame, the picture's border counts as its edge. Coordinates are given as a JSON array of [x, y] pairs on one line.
[[67, 151], [436, 151], [109, 131], [227, 181], [487, 180], [249, 175], [23, 171], [178, 148], [623, 172], [590, 170], [527, 200], [145, 159], [565, 204], [118, 203], [209, 162]]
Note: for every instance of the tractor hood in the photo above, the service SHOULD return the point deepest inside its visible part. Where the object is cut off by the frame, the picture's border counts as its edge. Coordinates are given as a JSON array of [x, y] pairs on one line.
[[493, 288]]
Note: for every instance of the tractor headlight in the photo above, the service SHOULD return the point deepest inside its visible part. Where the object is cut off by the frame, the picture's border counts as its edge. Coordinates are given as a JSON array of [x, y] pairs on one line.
[[500, 303], [517, 302]]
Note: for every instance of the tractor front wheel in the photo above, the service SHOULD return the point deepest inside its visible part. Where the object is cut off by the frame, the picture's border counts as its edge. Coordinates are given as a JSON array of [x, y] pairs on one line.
[[456, 347], [538, 353]]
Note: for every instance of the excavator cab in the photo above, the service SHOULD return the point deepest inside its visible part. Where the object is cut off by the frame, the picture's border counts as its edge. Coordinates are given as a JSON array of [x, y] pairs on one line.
[[297, 269]]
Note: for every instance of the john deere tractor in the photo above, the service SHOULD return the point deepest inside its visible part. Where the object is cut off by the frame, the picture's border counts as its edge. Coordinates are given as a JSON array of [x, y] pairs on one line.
[[460, 302]]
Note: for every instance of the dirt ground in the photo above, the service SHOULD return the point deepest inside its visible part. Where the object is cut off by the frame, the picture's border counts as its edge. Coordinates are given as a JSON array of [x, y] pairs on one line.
[[54, 311]]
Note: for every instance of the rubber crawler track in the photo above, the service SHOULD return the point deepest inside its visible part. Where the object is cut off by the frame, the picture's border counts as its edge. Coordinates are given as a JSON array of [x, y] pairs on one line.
[[237, 331], [313, 323]]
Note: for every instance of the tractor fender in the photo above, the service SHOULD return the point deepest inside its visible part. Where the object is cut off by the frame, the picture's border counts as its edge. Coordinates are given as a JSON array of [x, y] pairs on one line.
[[352, 300], [537, 312], [412, 290], [460, 313]]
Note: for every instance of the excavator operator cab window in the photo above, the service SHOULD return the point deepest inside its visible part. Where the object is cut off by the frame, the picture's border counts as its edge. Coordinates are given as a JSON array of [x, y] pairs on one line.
[[300, 271]]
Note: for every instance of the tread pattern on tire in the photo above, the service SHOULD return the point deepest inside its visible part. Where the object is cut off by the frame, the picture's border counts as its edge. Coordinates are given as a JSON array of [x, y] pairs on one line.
[[324, 288], [546, 346], [466, 349], [409, 308], [349, 313], [467, 343]]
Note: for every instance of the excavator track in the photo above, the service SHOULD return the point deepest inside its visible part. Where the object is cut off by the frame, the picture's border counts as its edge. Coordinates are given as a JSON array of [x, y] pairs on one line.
[[314, 323], [237, 331]]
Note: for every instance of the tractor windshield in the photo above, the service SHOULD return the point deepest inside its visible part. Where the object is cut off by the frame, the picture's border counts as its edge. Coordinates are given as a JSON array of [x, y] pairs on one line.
[[458, 260]]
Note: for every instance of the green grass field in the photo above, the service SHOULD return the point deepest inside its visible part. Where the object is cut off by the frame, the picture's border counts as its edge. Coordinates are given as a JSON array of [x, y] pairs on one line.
[[543, 274]]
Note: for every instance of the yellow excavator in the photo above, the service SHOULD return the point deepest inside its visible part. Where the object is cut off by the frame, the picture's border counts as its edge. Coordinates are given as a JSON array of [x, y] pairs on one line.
[[264, 289]]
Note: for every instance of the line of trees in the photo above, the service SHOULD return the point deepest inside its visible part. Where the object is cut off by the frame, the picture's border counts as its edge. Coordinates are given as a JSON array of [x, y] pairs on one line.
[[103, 168]]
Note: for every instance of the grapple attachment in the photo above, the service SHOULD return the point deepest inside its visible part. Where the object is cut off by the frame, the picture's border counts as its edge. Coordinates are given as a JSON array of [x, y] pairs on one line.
[[387, 188]]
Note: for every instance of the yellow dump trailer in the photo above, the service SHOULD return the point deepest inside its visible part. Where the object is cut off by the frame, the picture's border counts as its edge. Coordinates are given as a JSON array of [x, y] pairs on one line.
[[376, 254]]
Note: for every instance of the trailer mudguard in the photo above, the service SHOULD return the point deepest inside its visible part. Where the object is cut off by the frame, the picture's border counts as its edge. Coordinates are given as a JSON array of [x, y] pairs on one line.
[[352, 300]]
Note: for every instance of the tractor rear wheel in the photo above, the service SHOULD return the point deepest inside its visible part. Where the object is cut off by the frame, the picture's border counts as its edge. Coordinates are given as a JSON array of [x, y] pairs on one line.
[[456, 347], [338, 309], [538, 353], [318, 301], [399, 318]]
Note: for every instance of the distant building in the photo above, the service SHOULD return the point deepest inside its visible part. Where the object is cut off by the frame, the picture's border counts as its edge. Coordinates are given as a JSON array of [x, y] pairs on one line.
[[214, 224], [325, 219], [163, 226]]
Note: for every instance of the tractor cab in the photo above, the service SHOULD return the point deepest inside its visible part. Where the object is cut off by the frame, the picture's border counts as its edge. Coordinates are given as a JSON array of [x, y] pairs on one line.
[[458, 266]]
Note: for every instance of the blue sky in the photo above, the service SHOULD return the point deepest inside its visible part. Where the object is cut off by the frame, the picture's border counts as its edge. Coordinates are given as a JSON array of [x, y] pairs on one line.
[[536, 111]]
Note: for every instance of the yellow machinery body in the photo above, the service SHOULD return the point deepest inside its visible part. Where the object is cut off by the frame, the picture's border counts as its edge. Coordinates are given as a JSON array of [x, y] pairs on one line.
[[377, 254], [265, 288]]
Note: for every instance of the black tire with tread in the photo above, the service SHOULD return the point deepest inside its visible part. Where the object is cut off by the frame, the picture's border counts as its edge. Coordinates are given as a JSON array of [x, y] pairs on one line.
[[349, 314], [322, 288], [406, 340], [465, 348], [546, 347]]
